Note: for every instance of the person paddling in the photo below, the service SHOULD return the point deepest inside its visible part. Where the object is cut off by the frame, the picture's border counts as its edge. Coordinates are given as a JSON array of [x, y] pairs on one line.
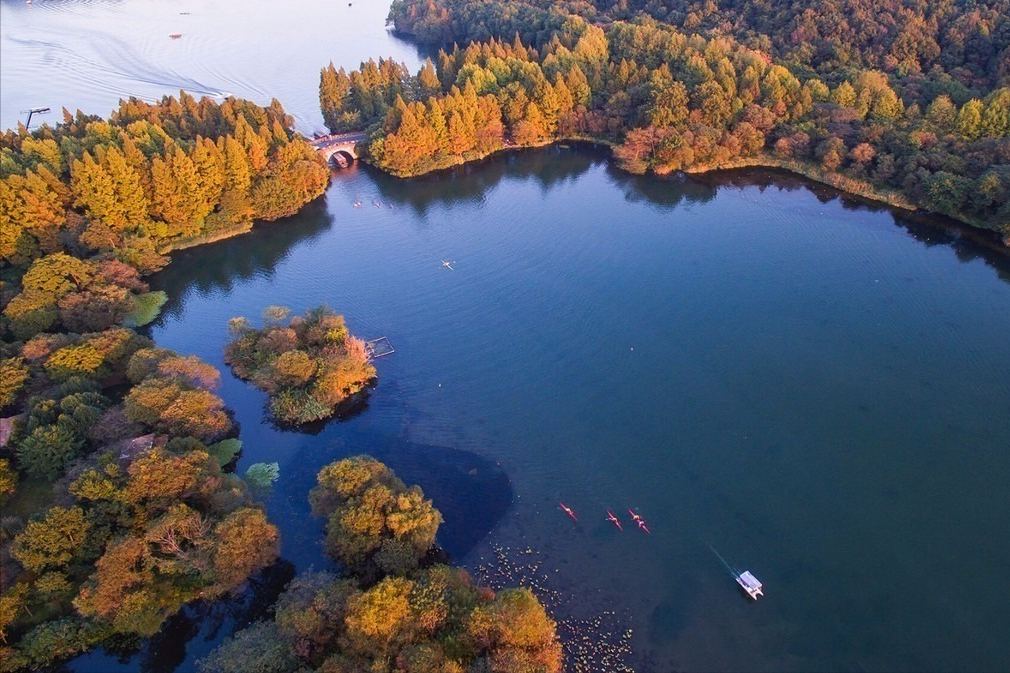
[[568, 510], [640, 521], [612, 518]]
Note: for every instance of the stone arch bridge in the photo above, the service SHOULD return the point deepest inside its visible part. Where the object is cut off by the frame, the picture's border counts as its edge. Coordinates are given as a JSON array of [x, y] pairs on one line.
[[339, 148]]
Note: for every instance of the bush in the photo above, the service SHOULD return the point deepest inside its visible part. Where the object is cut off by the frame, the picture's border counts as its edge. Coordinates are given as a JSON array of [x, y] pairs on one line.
[[146, 308]]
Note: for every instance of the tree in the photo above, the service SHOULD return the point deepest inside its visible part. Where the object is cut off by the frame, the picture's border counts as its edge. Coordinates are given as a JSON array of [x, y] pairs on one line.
[[110, 191], [168, 406], [832, 153], [312, 609], [54, 541], [428, 84], [844, 95], [13, 374], [157, 479], [75, 360], [122, 589], [245, 542], [377, 618], [518, 633], [13, 602], [969, 119], [96, 309], [942, 112], [369, 511], [48, 450]]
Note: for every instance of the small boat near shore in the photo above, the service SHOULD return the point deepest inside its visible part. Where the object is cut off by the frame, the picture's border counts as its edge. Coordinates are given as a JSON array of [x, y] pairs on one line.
[[750, 584]]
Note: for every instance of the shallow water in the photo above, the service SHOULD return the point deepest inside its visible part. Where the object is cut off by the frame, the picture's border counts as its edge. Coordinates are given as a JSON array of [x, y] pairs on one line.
[[817, 389]]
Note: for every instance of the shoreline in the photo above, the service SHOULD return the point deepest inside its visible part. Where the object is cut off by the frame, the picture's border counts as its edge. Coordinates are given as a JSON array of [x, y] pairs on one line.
[[850, 187]]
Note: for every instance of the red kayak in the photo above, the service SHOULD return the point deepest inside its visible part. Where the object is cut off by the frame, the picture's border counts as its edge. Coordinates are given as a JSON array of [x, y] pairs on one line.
[[612, 518], [640, 521], [568, 510]]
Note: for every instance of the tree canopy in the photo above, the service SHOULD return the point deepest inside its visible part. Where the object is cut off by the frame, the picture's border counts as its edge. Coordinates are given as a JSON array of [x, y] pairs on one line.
[[901, 102], [310, 365], [414, 616]]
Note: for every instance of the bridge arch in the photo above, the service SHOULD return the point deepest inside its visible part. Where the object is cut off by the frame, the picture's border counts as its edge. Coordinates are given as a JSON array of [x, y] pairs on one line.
[[339, 149], [341, 159]]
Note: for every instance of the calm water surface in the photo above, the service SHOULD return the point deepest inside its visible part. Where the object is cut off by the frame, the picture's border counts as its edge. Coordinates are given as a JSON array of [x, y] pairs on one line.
[[87, 54], [818, 394], [819, 391]]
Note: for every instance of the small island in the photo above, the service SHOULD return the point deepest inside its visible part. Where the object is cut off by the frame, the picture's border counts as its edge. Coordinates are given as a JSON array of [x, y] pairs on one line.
[[312, 367], [394, 606]]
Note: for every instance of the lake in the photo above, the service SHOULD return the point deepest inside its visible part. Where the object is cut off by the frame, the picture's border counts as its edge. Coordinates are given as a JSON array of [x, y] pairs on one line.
[[809, 388]]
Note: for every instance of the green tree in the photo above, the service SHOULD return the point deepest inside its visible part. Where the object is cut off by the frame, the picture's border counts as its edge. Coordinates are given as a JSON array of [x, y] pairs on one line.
[[942, 112], [13, 375], [257, 649], [53, 542], [48, 450], [969, 119], [8, 481]]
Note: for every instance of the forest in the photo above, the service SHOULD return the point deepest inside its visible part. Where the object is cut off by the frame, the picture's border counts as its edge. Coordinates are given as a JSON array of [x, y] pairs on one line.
[[150, 179], [119, 503], [905, 103]]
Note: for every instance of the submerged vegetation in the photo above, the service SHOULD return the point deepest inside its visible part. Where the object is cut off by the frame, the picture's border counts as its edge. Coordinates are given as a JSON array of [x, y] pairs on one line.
[[393, 609], [920, 119], [310, 366]]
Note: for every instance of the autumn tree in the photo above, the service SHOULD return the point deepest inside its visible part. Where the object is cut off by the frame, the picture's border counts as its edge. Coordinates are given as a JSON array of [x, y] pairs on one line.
[[375, 524]]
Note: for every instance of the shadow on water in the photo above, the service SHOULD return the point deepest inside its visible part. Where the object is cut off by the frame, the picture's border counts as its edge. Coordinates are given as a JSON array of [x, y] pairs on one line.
[[194, 631], [549, 166], [472, 493], [968, 243], [220, 265]]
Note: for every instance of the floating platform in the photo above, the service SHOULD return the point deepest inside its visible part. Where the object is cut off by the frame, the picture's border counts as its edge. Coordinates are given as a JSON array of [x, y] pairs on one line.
[[750, 584], [378, 347]]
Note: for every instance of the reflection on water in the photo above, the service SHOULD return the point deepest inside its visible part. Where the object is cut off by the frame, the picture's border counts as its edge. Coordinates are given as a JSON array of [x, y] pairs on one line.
[[470, 183], [195, 630], [235, 260]]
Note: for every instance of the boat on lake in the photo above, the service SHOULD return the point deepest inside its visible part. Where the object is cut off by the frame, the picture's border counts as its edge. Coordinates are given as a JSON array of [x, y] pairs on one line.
[[750, 584]]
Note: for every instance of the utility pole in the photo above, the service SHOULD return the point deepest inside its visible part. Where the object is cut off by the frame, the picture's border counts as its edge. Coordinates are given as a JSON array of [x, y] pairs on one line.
[[34, 111]]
